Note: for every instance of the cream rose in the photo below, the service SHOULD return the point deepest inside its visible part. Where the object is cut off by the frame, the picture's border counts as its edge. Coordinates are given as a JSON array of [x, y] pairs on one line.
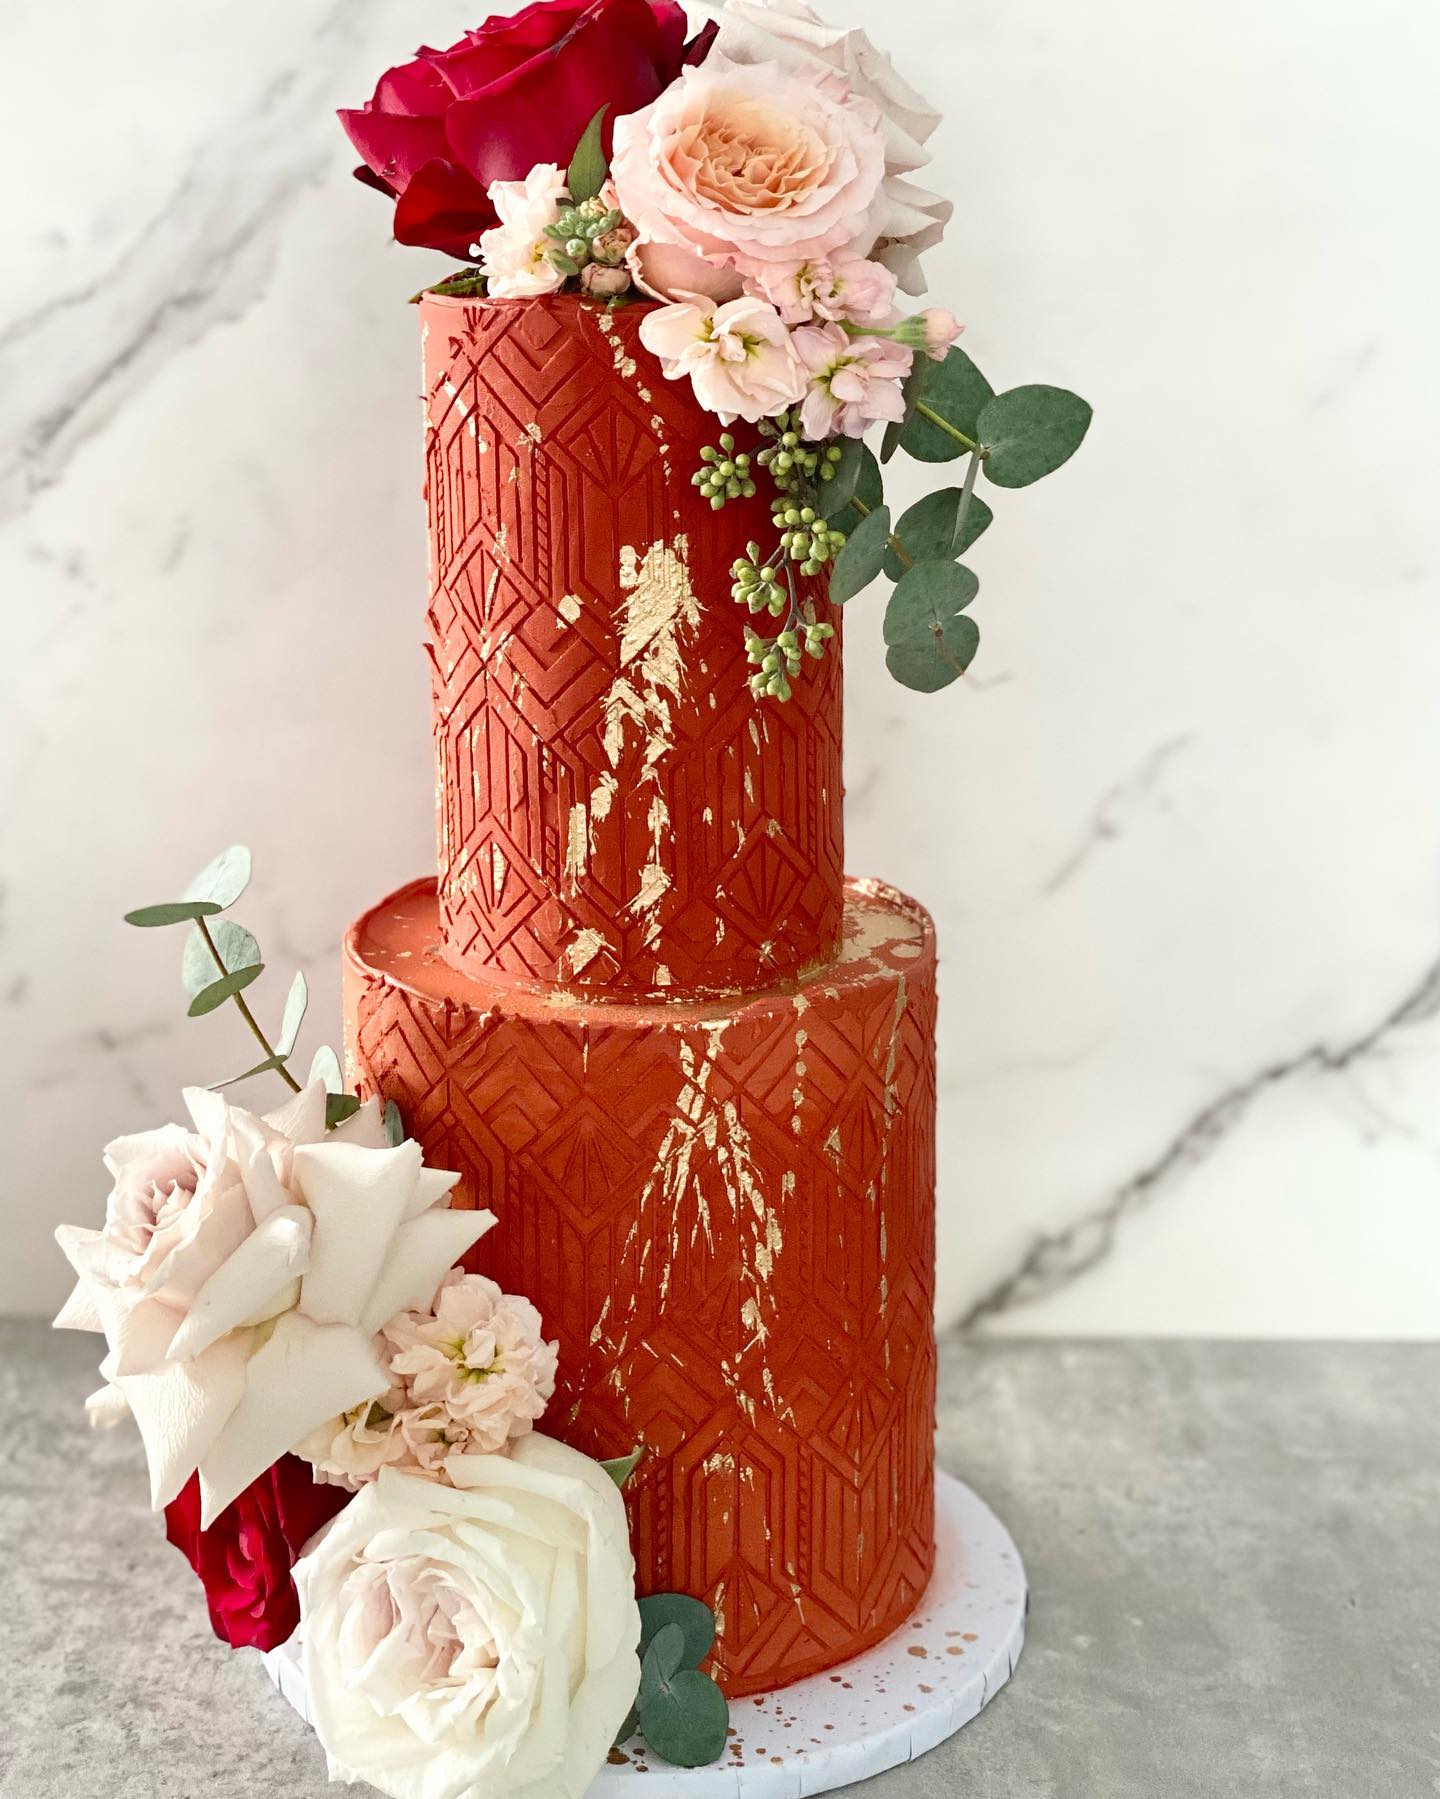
[[241, 1275], [477, 1638], [747, 168], [788, 33]]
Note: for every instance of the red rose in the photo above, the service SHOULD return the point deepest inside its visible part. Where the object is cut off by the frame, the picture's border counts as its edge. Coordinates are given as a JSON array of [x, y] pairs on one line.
[[517, 92], [244, 1559]]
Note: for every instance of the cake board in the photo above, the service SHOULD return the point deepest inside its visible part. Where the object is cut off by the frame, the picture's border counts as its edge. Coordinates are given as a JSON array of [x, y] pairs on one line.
[[922, 1684]]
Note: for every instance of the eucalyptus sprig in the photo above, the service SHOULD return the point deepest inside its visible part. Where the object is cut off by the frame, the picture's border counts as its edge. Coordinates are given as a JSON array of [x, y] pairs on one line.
[[831, 512], [221, 960]]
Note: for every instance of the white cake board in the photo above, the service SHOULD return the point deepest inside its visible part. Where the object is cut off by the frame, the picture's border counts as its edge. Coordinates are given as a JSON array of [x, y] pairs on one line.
[[918, 1687]]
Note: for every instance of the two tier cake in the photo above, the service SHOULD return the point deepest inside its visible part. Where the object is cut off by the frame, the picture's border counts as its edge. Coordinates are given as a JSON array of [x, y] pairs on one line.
[[686, 1063]]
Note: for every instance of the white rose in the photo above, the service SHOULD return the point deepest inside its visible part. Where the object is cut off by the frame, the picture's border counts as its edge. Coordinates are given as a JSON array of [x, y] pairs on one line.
[[242, 1274], [478, 1638], [789, 33]]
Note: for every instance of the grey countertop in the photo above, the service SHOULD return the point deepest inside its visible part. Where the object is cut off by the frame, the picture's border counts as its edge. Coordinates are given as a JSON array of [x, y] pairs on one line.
[[1233, 1555]]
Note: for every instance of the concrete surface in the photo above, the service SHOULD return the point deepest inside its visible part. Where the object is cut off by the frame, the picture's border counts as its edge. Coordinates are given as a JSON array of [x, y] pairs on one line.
[[1233, 1553]]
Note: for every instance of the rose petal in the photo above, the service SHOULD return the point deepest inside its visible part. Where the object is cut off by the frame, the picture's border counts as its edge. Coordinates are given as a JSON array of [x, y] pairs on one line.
[[303, 1374], [359, 1198], [424, 1250], [181, 1409], [245, 1286]]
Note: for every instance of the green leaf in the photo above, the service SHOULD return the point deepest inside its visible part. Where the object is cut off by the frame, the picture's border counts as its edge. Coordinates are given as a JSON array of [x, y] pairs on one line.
[[394, 1125], [914, 392], [238, 949], [268, 1066], [685, 1719], [692, 1617], [869, 490], [958, 391], [928, 666], [661, 1660], [566, 264], [325, 1066], [927, 530], [216, 994], [296, 1001], [223, 880], [628, 1728], [339, 1107], [1030, 432], [930, 644], [862, 557], [464, 283], [621, 1467], [588, 167], [173, 912], [835, 495]]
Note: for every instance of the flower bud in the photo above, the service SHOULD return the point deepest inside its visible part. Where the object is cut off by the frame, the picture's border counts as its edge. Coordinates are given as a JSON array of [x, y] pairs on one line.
[[602, 281], [611, 245]]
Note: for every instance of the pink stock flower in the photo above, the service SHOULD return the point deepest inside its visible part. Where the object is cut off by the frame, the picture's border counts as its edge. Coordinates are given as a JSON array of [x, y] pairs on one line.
[[849, 288], [940, 329], [853, 381], [739, 356], [749, 168]]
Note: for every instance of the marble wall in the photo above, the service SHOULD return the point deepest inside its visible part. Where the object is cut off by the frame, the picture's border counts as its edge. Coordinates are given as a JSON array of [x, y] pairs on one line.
[[1179, 830]]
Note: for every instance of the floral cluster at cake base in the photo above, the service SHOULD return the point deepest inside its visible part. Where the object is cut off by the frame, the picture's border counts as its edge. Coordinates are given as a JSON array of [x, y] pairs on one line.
[[339, 1425]]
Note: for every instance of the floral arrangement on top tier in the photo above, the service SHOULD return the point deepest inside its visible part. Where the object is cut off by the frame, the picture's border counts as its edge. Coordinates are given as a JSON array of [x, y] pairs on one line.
[[339, 1427], [754, 181]]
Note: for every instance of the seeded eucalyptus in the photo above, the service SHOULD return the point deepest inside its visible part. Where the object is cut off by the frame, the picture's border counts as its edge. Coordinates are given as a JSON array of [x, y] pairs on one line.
[[829, 510]]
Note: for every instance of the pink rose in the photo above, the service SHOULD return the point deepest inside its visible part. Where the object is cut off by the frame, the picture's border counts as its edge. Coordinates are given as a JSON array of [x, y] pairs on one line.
[[749, 169], [738, 356], [853, 381]]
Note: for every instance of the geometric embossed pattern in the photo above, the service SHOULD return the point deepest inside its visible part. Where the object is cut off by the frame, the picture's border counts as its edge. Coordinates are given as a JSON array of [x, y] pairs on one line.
[[614, 810], [725, 1212]]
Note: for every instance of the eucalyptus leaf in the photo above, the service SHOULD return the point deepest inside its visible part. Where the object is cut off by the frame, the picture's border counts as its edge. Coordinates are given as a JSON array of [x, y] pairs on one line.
[[216, 994], [325, 1066], [927, 665], [862, 557], [394, 1125], [913, 391], [628, 1728], [339, 1107], [621, 1467], [692, 1617], [268, 1066], [835, 495], [293, 1017], [236, 947], [956, 390], [463, 284], [661, 1661], [927, 530], [588, 167], [223, 880], [172, 912], [925, 596], [685, 1719], [1030, 432], [869, 490]]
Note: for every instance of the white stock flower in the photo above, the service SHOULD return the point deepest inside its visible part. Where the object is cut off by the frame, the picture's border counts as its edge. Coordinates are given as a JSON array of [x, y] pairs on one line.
[[790, 33], [513, 253], [242, 1273], [476, 1638]]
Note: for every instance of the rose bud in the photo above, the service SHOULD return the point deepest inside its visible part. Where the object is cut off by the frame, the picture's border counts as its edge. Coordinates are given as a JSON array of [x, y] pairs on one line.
[[602, 281], [610, 246]]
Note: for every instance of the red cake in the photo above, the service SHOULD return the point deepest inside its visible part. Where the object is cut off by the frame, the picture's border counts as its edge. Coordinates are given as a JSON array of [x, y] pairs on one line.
[[687, 1065]]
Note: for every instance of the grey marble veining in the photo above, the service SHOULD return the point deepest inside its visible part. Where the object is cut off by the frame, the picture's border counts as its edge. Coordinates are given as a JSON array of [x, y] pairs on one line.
[[1230, 1550], [1179, 829]]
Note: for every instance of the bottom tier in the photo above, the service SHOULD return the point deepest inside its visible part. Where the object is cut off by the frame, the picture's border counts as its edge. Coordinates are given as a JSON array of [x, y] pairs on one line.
[[725, 1212]]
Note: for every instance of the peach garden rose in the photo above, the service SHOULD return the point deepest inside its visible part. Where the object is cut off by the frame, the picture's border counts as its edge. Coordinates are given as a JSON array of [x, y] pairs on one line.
[[750, 170]]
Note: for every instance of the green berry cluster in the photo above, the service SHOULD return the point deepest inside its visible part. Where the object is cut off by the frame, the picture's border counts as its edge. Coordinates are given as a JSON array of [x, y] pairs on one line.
[[757, 583], [791, 460], [804, 536], [725, 475], [575, 233], [777, 660]]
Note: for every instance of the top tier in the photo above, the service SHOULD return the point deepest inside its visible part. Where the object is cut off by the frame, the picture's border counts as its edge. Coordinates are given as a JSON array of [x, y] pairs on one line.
[[615, 811]]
